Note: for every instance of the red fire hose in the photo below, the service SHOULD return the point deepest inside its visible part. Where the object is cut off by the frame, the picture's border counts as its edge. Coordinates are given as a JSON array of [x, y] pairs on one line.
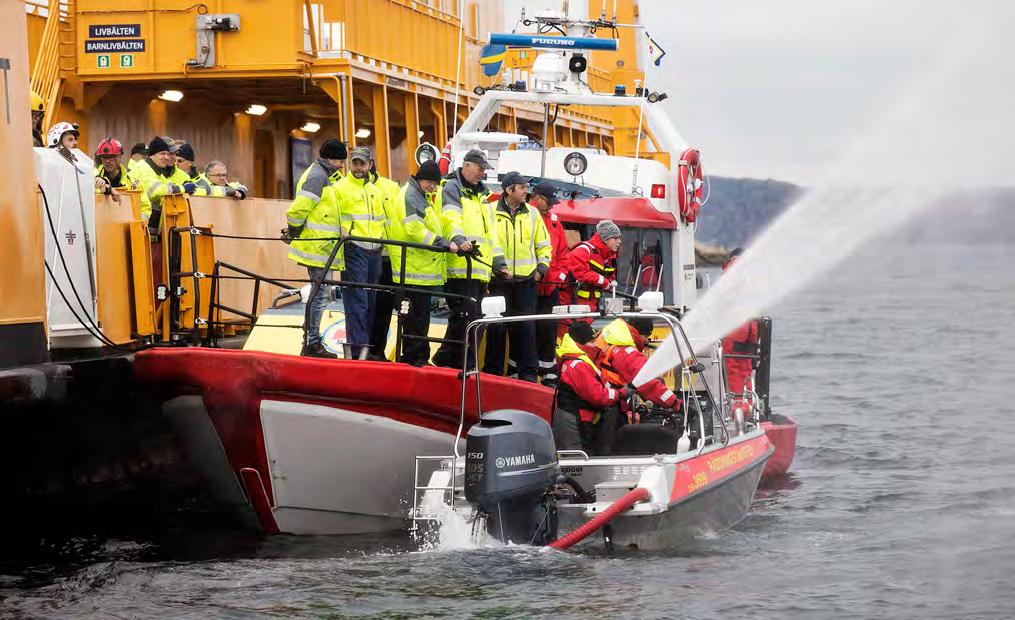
[[631, 498]]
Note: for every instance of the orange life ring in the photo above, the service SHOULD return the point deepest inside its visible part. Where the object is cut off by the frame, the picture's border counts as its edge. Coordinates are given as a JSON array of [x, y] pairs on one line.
[[689, 193]]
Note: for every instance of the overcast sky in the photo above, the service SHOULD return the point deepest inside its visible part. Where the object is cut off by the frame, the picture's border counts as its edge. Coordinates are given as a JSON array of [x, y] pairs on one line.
[[778, 88]]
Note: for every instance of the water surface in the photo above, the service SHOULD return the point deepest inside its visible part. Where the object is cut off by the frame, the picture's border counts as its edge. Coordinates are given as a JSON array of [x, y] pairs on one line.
[[901, 501]]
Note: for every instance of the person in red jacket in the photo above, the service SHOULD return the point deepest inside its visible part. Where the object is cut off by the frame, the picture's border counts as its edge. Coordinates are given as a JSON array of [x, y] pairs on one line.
[[592, 268], [742, 341], [544, 197], [583, 402], [620, 357]]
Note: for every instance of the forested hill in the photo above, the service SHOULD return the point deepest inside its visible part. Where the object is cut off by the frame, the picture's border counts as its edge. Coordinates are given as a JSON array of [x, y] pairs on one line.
[[738, 209]]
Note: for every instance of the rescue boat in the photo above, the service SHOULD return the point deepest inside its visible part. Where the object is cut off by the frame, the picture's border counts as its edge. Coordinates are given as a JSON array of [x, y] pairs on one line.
[[647, 492], [312, 446]]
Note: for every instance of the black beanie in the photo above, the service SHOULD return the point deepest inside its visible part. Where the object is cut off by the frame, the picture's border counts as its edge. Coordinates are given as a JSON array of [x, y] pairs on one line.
[[642, 325], [581, 332], [185, 151], [140, 147], [334, 149], [157, 145], [428, 171]]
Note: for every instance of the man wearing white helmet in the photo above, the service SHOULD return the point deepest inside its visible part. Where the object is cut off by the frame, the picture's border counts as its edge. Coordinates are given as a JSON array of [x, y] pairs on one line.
[[63, 135]]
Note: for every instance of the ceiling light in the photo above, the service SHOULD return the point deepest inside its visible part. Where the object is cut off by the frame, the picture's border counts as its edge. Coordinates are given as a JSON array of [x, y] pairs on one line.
[[310, 127], [256, 109], [362, 132], [171, 95]]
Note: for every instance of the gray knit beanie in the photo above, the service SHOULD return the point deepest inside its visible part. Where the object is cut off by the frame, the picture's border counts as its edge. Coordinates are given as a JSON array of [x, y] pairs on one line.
[[607, 230]]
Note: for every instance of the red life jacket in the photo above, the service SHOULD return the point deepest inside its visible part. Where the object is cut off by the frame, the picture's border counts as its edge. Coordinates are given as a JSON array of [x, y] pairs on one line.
[[592, 267], [556, 277], [581, 388]]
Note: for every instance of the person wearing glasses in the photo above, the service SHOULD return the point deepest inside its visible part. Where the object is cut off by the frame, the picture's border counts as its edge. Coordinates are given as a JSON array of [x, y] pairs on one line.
[[215, 181]]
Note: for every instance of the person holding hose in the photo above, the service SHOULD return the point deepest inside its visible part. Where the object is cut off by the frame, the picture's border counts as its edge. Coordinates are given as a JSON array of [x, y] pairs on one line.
[[470, 223]]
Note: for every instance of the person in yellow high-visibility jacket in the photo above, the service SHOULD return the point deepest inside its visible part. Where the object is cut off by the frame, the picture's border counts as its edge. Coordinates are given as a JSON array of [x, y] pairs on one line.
[[361, 209], [384, 302], [527, 249], [313, 225], [158, 177], [469, 221], [415, 217]]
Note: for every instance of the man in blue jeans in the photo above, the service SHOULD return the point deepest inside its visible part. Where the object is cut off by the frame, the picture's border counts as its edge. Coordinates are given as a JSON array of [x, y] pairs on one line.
[[361, 209]]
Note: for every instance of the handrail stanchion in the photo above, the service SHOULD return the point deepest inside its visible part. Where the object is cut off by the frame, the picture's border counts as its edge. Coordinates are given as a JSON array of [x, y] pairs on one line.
[[399, 299], [209, 339], [195, 333]]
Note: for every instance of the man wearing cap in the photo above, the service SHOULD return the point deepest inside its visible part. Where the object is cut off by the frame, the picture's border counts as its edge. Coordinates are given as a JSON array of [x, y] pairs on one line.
[[526, 245], [544, 197], [313, 225], [157, 177], [469, 221], [361, 209], [415, 217], [215, 182], [592, 267], [137, 153]]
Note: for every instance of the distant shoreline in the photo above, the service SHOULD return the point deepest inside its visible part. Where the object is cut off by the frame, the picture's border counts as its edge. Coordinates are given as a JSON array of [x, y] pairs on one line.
[[710, 255]]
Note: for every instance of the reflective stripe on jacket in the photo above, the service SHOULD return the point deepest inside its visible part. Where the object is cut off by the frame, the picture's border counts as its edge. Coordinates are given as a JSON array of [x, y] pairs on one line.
[[309, 188], [585, 392], [414, 217], [361, 209], [126, 181], [206, 188], [524, 239], [314, 214], [389, 195], [622, 359], [155, 183], [466, 215], [593, 266]]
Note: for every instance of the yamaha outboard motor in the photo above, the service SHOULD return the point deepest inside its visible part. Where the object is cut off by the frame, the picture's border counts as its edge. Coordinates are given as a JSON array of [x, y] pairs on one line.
[[510, 469]]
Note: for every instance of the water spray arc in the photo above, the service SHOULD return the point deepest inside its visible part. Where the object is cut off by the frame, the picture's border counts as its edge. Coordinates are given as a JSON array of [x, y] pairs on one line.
[[890, 175]]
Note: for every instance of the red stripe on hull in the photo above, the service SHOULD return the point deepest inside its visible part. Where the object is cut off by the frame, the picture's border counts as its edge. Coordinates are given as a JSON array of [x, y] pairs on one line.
[[700, 472]]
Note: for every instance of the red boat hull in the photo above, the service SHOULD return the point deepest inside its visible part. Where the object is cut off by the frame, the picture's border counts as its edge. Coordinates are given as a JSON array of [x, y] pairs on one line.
[[781, 431], [336, 414]]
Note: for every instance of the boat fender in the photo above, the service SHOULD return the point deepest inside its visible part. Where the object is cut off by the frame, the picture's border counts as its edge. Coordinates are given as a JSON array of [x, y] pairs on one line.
[[689, 184]]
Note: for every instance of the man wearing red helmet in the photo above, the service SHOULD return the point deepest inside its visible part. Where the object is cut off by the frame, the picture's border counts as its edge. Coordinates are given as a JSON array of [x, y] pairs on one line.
[[110, 175]]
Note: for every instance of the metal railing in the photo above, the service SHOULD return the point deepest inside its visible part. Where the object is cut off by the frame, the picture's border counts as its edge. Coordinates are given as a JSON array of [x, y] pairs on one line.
[[685, 350], [398, 288]]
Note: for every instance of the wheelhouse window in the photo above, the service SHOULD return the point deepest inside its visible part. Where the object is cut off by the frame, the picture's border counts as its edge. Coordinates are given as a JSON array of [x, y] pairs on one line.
[[643, 264]]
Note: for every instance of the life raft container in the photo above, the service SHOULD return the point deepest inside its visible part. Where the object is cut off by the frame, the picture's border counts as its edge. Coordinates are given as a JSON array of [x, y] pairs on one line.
[[689, 184]]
